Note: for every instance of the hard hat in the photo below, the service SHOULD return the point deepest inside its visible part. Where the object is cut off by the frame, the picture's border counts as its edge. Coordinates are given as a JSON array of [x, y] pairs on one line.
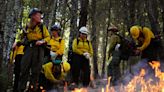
[[134, 31], [66, 66], [33, 11], [55, 28], [84, 30], [113, 29]]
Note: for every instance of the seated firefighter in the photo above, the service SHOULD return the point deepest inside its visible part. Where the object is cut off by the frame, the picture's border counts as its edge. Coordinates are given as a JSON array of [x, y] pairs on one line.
[[53, 74]]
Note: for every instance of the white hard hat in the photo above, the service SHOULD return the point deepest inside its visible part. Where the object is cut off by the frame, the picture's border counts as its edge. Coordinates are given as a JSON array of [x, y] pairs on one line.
[[84, 30]]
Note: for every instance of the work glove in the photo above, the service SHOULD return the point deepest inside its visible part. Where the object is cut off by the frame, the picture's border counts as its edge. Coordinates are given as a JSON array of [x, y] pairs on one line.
[[53, 55], [40, 42], [117, 47], [87, 55]]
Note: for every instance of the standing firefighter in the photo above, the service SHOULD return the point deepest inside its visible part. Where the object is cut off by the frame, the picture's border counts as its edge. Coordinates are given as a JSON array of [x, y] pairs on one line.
[[82, 51], [114, 65], [32, 60], [17, 55], [146, 42]]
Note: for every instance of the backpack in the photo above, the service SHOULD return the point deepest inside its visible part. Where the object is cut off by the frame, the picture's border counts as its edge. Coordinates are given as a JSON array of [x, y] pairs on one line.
[[126, 48]]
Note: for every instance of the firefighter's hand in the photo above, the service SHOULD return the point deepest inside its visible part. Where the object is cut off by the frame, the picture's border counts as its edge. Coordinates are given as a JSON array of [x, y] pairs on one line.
[[58, 82], [14, 45], [137, 51], [87, 55], [53, 55], [62, 82], [40, 42]]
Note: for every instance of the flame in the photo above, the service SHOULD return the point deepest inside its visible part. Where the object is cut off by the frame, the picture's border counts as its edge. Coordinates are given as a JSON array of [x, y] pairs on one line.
[[65, 87], [138, 83], [80, 90]]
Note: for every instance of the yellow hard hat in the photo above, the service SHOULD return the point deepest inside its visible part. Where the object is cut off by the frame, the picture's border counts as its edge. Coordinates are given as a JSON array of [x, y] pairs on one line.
[[66, 66], [134, 31]]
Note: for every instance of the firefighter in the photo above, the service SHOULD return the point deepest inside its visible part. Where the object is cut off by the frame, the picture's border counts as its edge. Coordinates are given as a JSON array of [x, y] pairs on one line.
[[17, 55], [145, 41], [82, 51], [114, 65], [53, 75], [57, 44], [33, 57]]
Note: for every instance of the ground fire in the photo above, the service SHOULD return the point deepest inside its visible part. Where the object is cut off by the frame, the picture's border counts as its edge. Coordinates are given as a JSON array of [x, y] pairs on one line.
[[139, 83]]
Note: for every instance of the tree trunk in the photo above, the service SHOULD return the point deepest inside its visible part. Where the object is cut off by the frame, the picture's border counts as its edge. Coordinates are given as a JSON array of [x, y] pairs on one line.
[[132, 11], [126, 14], [162, 12], [73, 26], [2, 20], [153, 15], [105, 37], [11, 11], [94, 38], [65, 18], [83, 12], [105, 41], [52, 15], [47, 7]]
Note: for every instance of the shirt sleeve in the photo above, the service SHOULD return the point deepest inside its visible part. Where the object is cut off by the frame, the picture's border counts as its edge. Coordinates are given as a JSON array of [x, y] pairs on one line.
[[60, 51], [18, 35], [147, 39], [113, 41], [46, 34]]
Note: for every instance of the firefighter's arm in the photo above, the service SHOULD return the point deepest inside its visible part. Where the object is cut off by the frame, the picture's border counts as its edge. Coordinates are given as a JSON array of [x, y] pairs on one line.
[[75, 49], [60, 51], [46, 34], [48, 72], [18, 38], [13, 54], [147, 39]]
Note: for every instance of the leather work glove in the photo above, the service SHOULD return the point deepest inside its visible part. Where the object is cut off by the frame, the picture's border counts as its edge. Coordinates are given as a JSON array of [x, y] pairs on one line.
[[53, 55], [87, 55]]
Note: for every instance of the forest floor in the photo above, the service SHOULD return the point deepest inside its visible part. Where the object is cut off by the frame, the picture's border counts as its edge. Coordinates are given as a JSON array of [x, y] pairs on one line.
[[101, 84]]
